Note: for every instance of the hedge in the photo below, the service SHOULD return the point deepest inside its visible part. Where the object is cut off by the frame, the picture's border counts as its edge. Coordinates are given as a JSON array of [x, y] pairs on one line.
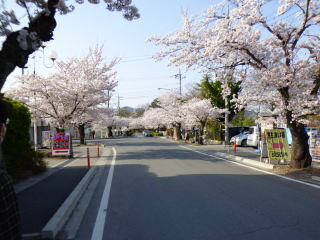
[[20, 158]]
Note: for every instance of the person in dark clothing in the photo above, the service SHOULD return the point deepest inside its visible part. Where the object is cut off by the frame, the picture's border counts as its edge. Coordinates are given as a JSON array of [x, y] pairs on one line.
[[9, 214], [93, 133]]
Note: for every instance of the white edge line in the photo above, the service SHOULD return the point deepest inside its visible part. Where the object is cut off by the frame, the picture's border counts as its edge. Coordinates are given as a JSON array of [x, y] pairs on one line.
[[98, 229], [56, 165], [257, 169]]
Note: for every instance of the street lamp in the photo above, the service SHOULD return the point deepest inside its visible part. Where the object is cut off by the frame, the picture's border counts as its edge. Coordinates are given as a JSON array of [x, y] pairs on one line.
[[35, 132], [53, 56]]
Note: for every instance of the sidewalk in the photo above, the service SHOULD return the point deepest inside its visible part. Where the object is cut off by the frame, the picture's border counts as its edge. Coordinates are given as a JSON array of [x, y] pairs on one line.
[[248, 156], [40, 196]]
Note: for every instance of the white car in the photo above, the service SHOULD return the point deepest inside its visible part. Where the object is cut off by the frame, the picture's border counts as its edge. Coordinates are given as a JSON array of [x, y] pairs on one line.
[[240, 139], [253, 136]]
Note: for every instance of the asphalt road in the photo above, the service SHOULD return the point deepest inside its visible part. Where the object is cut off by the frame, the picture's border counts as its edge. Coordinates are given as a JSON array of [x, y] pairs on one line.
[[162, 191], [38, 203]]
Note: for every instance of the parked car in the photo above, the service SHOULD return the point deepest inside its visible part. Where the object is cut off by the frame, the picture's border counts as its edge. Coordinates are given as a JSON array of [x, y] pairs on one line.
[[233, 131], [240, 139], [147, 133], [253, 136]]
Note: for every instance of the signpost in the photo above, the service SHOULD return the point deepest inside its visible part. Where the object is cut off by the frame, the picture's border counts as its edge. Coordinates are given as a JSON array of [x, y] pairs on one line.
[[61, 144], [277, 144], [314, 143]]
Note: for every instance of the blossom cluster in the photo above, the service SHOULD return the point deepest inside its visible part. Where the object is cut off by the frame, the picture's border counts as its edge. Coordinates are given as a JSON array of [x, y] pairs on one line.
[[75, 94], [173, 111], [280, 54]]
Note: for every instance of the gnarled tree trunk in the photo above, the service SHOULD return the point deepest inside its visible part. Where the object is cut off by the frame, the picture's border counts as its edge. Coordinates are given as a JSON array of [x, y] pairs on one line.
[[81, 133], [300, 154], [201, 132], [177, 132], [110, 132]]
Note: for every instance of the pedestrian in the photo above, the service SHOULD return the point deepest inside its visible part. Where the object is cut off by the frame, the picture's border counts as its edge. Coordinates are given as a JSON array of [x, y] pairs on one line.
[[93, 133], [10, 228]]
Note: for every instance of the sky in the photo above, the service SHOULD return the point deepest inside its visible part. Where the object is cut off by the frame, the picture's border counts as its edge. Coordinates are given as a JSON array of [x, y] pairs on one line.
[[139, 75]]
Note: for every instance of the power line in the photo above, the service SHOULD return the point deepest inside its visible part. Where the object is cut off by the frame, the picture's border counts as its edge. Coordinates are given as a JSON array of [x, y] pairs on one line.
[[136, 97], [136, 60], [141, 89], [141, 56], [147, 77]]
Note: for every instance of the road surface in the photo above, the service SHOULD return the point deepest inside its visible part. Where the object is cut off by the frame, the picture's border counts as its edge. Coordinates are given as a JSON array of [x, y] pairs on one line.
[[162, 191]]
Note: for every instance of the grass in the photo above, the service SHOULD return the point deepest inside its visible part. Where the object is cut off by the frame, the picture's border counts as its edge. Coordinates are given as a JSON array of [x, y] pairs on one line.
[[305, 173]]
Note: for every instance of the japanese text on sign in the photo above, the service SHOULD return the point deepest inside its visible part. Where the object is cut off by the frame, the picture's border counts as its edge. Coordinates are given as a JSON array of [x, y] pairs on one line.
[[60, 144], [277, 144]]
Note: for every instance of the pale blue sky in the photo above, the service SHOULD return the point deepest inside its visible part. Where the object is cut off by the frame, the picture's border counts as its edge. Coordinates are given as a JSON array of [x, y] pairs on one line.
[[139, 76]]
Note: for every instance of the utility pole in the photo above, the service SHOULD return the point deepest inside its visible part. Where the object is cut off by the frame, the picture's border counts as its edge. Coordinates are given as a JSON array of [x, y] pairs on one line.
[[108, 98], [118, 102], [179, 76], [119, 98]]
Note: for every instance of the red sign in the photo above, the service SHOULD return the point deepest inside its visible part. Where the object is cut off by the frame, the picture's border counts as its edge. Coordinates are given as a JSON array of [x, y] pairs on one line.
[[278, 145], [60, 144]]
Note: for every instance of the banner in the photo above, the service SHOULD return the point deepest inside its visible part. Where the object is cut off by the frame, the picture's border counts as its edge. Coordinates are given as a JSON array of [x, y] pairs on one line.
[[314, 143], [60, 144], [46, 139], [277, 144]]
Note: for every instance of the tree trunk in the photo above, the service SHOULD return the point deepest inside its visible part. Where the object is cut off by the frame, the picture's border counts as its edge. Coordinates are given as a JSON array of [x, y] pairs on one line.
[[60, 130], [110, 132], [300, 155], [177, 132], [81, 133], [201, 132]]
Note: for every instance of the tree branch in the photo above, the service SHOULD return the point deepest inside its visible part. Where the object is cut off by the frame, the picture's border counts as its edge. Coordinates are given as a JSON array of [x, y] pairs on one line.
[[316, 83], [12, 55]]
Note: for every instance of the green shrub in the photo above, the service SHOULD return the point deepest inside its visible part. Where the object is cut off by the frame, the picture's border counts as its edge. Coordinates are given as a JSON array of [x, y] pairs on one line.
[[39, 165], [157, 134], [214, 130], [20, 158]]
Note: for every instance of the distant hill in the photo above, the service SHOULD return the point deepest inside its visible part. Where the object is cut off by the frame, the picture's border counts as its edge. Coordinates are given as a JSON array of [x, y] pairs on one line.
[[131, 109]]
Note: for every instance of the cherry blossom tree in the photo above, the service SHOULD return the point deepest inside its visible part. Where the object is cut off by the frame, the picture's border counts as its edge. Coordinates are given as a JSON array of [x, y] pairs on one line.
[[199, 111], [282, 49], [154, 118], [18, 45], [89, 118], [173, 114], [79, 86], [110, 120], [135, 123]]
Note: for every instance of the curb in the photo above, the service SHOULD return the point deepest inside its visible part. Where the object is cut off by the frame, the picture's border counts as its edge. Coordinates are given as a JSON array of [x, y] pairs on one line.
[[316, 178], [58, 220], [247, 161]]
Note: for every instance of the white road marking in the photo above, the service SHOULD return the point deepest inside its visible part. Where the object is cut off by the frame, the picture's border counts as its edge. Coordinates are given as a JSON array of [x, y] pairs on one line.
[[256, 169], [98, 229], [56, 165]]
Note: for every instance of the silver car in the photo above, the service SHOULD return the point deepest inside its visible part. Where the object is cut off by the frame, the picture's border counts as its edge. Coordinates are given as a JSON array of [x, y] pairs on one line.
[[240, 139]]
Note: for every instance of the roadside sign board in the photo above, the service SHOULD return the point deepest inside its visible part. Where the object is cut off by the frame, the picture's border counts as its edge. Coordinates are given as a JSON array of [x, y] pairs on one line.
[[277, 144], [46, 139], [60, 144], [314, 143]]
